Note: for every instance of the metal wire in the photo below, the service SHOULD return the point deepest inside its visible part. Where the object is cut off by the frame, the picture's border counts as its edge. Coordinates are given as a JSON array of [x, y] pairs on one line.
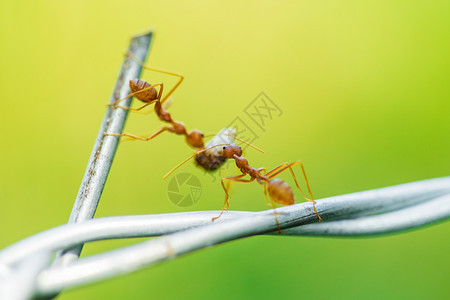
[[105, 147], [414, 204], [434, 206], [428, 212], [20, 283]]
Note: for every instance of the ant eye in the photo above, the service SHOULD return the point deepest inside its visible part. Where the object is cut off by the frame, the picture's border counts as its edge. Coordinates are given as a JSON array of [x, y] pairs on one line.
[[202, 134], [224, 147]]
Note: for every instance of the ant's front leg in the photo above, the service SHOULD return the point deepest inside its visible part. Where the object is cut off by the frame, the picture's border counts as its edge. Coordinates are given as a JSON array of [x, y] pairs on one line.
[[226, 204], [158, 132]]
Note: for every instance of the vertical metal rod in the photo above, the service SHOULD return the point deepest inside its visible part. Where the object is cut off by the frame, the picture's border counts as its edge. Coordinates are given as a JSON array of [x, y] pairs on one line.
[[105, 146]]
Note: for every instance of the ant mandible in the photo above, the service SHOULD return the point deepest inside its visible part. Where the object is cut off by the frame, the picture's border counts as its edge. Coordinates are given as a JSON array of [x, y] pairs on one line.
[[279, 191], [148, 94]]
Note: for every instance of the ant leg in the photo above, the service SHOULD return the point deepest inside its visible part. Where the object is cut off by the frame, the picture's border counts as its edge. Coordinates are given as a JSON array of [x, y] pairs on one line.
[[180, 77], [165, 106], [230, 178], [284, 167], [228, 202], [262, 169], [265, 196], [226, 205], [272, 205], [276, 169], [136, 109], [139, 137]]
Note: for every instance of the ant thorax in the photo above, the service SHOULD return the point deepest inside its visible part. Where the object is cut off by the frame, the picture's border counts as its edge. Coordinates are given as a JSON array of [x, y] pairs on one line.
[[242, 163], [213, 158]]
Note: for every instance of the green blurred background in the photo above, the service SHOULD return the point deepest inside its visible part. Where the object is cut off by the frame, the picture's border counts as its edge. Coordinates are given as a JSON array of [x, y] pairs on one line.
[[364, 87]]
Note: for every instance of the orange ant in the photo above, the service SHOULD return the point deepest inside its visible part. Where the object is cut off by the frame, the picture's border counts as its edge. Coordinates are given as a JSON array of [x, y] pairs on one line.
[[279, 191], [148, 94], [145, 92]]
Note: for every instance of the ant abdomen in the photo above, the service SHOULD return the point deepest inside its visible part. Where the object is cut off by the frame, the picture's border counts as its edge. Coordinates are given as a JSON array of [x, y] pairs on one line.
[[280, 192], [146, 96]]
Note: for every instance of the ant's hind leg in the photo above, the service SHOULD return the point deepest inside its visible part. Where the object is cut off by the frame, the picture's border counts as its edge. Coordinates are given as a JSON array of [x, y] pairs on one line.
[[285, 167], [265, 197], [273, 206], [276, 169], [180, 77]]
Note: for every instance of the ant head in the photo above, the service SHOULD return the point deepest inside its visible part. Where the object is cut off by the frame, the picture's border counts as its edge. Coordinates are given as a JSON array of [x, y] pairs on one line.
[[195, 138], [230, 150]]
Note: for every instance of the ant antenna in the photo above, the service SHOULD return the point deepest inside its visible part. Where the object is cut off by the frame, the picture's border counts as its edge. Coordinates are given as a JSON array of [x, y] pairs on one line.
[[187, 159], [193, 155], [256, 148], [209, 134]]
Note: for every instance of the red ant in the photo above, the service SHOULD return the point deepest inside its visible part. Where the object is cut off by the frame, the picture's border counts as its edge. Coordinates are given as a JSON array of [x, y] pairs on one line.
[[144, 91], [279, 191], [147, 93]]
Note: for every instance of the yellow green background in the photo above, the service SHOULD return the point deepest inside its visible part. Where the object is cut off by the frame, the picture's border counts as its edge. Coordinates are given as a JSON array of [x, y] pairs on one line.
[[364, 87]]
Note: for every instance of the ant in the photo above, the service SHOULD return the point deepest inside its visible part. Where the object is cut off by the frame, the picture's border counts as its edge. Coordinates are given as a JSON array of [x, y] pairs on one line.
[[145, 92], [279, 191], [148, 94]]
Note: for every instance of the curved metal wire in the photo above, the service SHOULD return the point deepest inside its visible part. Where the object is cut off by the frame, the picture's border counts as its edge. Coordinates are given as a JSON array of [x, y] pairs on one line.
[[434, 207], [397, 208]]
